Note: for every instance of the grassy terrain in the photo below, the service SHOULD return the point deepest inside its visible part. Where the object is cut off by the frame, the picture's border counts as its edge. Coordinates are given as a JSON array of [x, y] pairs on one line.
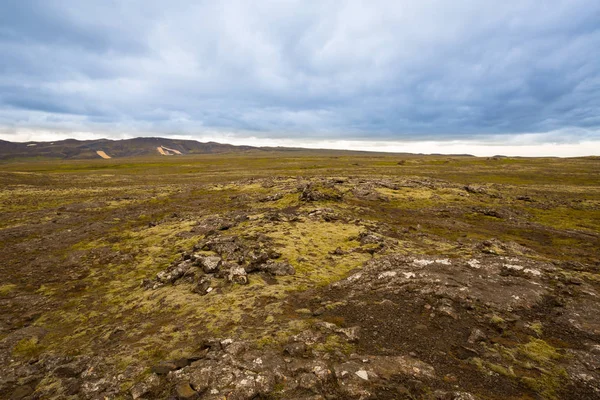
[[78, 237]]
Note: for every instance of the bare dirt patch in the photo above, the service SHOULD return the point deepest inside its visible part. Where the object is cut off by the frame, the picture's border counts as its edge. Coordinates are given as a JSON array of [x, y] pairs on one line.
[[103, 154]]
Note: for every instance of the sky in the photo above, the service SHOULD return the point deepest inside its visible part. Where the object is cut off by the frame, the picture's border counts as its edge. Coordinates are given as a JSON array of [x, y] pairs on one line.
[[432, 76]]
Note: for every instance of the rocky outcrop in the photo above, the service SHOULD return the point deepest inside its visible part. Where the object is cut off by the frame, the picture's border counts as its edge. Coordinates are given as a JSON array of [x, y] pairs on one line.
[[232, 260]]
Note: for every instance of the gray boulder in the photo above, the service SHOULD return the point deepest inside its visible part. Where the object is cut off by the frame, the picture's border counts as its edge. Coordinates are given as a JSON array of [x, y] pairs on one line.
[[238, 275], [278, 268], [210, 264]]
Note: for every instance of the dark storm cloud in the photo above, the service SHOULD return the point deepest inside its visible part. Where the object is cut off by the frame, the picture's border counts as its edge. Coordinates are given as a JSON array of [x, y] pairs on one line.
[[322, 69]]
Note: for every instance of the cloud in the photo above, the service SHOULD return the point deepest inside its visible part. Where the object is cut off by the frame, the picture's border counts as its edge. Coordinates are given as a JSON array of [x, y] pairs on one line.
[[322, 70]]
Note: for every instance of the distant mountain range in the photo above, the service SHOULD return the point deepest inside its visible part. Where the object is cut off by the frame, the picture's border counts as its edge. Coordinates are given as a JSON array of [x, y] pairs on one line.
[[106, 148]]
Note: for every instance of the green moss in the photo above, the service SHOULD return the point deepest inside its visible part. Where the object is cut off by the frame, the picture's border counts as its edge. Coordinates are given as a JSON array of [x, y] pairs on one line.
[[536, 327], [501, 369], [486, 366], [7, 289], [569, 218], [547, 385], [308, 246], [537, 363], [27, 348], [334, 343], [539, 351], [265, 342]]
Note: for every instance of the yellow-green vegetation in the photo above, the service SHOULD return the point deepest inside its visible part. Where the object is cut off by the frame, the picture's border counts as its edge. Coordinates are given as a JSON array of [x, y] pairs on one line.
[[584, 219], [497, 320], [539, 351], [416, 198], [536, 327], [535, 363], [309, 245], [7, 289], [334, 343], [484, 366], [27, 348], [546, 385], [113, 293]]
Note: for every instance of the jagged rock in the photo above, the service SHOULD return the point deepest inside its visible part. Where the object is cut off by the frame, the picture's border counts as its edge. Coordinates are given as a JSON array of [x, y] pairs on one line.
[[476, 336], [72, 386], [273, 197], [326, 214], [370, 238], [21, 392], [273, 254], [497, 247], [362, 374], [181, 362], [265, 382], [236, 348], [448, 311], [490, 212], [319, 311], [215, 223], [210, 264], [278, 268], [238, 275], [339, 252], [225, 246], [476, 189], [202, 287], [224, 269], [198, 354], [145, 387], [201, 379], [164, 367], [245, 389], [225, 377], [170, 276], [387, 366], [163, 277], [185, 392], [310, 193], [296, 349], [352, 333], [68, 371], [225, 224], [147, 284], [308, 381], [91, 389], [256, 260], [326, 326], [525, 198]]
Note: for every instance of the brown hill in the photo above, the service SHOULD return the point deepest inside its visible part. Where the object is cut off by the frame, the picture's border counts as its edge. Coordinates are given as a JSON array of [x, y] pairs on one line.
[[87, 149]]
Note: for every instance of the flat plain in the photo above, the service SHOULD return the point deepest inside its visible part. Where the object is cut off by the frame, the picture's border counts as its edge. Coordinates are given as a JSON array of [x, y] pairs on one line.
[[300, 275]]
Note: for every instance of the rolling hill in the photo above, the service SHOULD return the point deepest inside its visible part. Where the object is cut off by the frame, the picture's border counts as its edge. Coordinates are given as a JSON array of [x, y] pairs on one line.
[[106, 148]]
